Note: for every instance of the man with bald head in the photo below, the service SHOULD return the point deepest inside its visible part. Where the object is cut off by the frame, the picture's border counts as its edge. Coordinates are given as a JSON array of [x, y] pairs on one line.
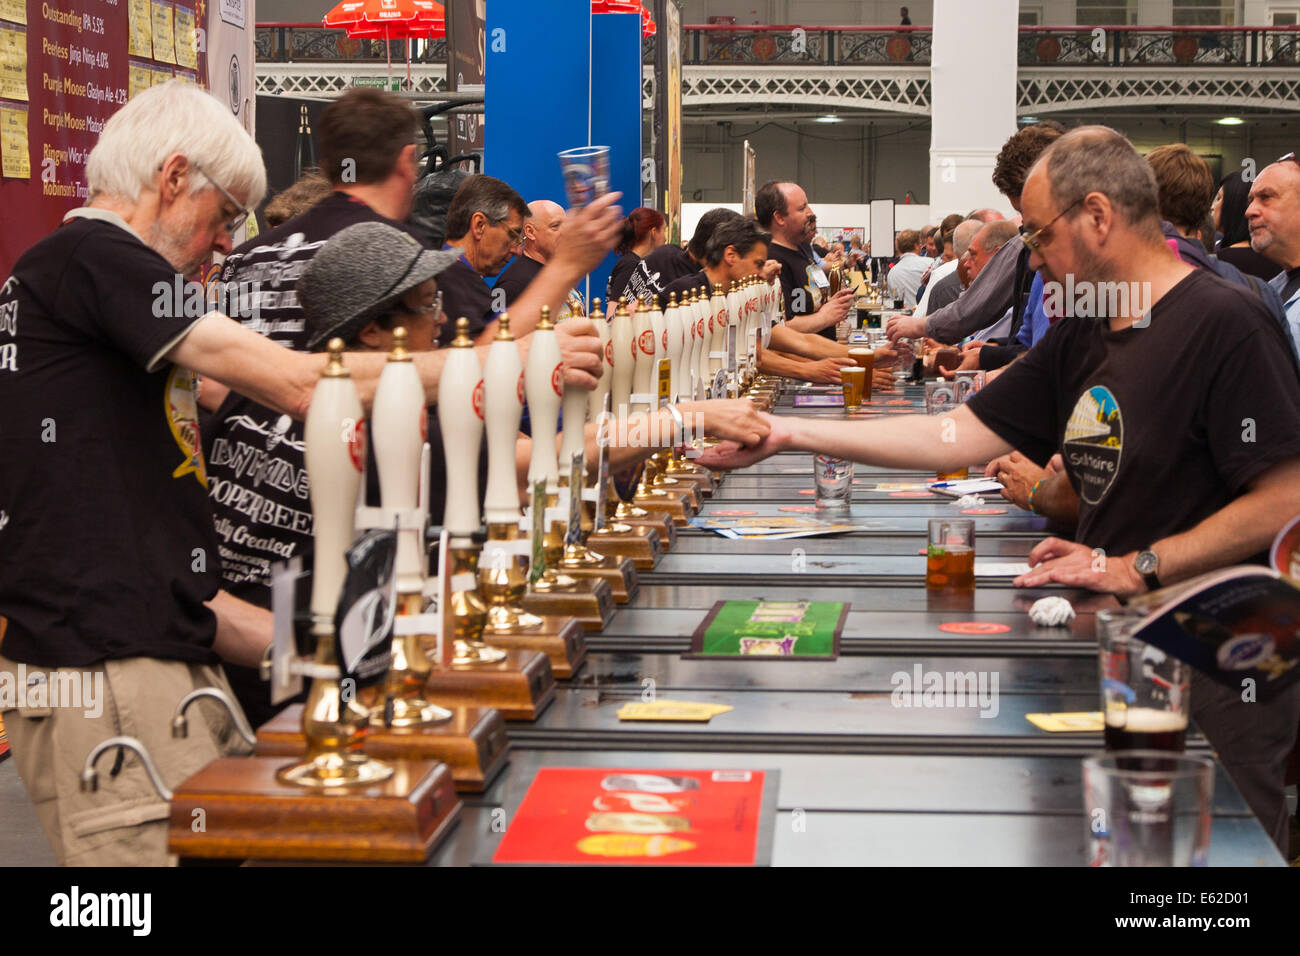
[[1274, 219], [949, 279], [540, 229]]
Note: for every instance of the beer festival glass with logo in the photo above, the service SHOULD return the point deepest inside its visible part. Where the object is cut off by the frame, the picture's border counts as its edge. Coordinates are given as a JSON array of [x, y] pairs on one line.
[[586, 174], [852, 380], [834, 482], [950, 557], [1144, 691], [1158, 815], [941, 399], [968, 383]]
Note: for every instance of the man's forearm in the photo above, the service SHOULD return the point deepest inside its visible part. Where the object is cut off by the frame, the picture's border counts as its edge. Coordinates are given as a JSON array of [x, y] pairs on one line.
[[1237, 531], [982, 304], [814, 321], [914, 442], [808, 345], [243, 629]]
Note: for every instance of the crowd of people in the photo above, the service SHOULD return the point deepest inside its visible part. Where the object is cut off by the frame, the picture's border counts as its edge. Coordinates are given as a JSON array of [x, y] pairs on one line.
[[139, 544]]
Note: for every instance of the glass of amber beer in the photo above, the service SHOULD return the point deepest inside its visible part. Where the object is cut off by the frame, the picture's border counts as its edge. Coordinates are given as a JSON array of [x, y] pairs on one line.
[[950, 557], [1144, 691], [865, 359], [853, 379]]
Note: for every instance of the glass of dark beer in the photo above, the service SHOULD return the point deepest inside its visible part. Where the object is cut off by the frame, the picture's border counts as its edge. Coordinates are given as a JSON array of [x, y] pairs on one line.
[[1144, 691]]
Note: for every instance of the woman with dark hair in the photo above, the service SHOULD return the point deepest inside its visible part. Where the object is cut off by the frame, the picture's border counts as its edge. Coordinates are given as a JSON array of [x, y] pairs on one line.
[[644, 231], [1229, 211]]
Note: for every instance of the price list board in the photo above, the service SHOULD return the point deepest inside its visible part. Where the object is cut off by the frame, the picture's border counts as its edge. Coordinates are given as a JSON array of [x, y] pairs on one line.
[[65, 67]]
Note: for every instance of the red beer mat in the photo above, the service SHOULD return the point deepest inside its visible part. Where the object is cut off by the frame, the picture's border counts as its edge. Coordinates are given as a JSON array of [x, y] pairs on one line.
[[974, 627], [799, 508], [983, 511], [733, 513], [807, 491]]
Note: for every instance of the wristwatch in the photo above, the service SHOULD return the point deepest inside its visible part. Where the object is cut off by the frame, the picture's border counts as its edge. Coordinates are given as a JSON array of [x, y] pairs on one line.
[[1147, 563]]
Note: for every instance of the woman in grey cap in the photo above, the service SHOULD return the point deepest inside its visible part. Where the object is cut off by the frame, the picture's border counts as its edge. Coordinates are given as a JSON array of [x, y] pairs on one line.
[[369, 279]]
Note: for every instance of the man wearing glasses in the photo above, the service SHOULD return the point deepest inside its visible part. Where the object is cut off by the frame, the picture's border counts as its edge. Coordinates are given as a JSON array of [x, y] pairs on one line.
[[111, 598], [486, 222], [1177, 416]]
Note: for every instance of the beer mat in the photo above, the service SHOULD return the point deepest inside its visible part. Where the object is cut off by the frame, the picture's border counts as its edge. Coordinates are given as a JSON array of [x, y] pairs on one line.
[[1000, 569], [732, 513], [1078, 722], [771, 529], [814, 400], [799, 509], [983, 511], [610, 816], [974, 627], [771, 630], [807, 491], [687, 710]]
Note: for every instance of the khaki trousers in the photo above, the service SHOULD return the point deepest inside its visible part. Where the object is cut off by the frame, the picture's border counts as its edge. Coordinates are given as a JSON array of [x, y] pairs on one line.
[[124, 823]]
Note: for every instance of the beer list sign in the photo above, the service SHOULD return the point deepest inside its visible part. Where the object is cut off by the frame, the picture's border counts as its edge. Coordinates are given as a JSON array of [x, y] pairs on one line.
[[65, 67]]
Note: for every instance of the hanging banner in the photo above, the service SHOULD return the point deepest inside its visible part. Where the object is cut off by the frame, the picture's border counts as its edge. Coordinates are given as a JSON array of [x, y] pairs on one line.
[[64, 70], [466, 36]]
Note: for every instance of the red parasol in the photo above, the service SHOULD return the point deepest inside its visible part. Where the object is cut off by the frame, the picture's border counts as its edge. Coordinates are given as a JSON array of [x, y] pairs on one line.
[[626, 6], [389, 20]]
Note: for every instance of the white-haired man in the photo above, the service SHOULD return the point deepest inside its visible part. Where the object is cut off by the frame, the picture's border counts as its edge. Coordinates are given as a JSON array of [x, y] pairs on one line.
[[109, 567]]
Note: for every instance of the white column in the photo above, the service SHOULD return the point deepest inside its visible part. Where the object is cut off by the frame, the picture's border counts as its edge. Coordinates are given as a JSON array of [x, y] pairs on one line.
[[973, 97]]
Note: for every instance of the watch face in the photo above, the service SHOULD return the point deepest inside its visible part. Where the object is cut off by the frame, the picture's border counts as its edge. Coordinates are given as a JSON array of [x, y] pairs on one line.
[[1146, 562]]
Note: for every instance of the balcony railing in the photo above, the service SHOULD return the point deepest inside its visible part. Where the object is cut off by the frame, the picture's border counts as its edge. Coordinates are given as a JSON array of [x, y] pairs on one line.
[[1073, 46], [307, 42]]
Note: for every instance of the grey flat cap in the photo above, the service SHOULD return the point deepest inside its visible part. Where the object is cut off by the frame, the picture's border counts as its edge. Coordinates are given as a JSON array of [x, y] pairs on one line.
[[359, 274]]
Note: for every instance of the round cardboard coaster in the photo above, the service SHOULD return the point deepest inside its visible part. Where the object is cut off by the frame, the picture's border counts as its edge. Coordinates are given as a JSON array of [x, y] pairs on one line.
[[801, 509], [974, 627], [807, 491], [732, 513], [983, 511]]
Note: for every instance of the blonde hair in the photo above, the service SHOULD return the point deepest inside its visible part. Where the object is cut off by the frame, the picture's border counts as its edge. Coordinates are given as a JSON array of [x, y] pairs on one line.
[[175, 117]]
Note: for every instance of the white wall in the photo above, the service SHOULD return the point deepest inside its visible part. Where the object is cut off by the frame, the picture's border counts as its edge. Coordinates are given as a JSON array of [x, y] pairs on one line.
[[831, 217]]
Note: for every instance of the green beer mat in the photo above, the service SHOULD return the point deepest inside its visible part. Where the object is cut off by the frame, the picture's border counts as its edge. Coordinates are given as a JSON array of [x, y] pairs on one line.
[[771, 630]]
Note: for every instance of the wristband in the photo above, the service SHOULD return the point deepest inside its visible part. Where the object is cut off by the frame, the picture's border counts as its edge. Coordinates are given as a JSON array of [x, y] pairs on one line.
[[1033, 491]]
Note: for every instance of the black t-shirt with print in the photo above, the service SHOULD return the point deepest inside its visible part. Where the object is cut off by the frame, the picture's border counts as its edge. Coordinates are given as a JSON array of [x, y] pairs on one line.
[[516, 278], [797, 275], [653, 273], [1159, 427], [257, 478], [464, 294], [106, 543], [686, 284], [619, 275]]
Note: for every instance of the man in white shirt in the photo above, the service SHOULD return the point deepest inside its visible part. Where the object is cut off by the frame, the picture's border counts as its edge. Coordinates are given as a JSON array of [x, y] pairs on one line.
[[905, 277]]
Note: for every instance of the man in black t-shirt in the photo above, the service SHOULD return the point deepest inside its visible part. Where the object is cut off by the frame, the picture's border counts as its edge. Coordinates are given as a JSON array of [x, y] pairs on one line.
[[1176, 411], [782, 209]]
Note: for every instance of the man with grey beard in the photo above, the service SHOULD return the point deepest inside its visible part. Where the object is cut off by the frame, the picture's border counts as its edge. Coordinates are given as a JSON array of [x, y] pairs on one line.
[[1148, 409]]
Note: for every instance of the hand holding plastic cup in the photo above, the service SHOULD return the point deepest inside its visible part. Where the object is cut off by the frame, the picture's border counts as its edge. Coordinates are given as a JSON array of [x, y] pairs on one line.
[[586, 174]]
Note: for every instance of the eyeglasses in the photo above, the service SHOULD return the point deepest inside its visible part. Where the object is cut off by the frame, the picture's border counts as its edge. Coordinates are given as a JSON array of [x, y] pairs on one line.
[[516, 236], [1030, 239], [232, 225]]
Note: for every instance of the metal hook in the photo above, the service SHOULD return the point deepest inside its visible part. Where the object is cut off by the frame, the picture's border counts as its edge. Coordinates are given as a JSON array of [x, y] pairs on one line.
[[90, 777], [181, 726]]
